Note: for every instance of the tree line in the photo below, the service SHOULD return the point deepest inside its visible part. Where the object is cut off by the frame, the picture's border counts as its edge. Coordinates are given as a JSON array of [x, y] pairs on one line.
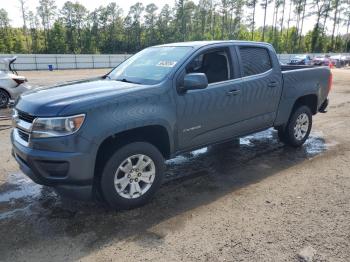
[[75, 29]]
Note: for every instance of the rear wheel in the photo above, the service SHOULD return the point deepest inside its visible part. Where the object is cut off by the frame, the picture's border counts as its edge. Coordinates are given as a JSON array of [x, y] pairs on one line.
[[132, 175], [4, 98], [298, 128]]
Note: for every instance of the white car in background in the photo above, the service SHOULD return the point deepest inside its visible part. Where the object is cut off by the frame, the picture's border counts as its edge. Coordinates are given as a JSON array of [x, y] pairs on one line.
[[11, 84]]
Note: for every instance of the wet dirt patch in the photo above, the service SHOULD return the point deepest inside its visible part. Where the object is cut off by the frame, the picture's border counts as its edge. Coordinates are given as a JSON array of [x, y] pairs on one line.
[[192, 180], [223, 157], [18, 194], [18, 186]]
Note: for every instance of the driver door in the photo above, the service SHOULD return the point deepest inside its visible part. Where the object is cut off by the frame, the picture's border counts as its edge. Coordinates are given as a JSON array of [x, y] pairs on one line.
[[208, 115]]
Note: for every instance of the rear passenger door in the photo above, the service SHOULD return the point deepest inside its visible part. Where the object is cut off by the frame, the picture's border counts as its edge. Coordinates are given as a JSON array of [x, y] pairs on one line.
[[262, 85]]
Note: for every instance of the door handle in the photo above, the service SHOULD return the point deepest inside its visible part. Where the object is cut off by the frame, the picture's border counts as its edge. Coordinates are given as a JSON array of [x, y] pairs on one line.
[[272, 84], [233, 92]]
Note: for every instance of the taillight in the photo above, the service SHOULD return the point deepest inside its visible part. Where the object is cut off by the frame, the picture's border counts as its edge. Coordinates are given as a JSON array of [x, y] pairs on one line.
[[20, 81], [330, 82]]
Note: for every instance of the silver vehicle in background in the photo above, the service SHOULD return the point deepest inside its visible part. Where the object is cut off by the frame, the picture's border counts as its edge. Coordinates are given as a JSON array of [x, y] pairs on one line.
[[11, 84]]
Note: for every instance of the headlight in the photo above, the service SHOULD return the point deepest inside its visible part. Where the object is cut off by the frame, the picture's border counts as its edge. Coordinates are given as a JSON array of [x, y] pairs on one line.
[[57, 126]]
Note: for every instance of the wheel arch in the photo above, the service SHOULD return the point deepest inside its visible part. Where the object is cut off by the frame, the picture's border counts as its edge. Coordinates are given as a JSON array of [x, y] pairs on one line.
[[7, 92], [156, 135], [288, 106], [310, 100]]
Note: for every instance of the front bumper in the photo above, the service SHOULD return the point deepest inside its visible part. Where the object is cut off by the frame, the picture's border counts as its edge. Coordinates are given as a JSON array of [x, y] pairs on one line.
[[69, 173]]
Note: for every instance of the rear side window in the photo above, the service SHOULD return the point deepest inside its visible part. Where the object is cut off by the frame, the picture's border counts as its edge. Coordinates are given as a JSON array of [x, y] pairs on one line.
[[255, 60]]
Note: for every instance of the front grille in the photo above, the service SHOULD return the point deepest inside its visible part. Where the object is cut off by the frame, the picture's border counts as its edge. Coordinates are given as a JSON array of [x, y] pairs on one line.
[[23, 135], [25, 117]]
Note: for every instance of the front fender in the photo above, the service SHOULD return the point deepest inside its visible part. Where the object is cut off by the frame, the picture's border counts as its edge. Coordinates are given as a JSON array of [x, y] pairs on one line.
[[115, 130], [129, 114]]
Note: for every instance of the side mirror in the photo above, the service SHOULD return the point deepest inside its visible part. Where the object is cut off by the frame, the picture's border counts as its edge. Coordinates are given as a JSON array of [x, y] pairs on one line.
[[194, 81]]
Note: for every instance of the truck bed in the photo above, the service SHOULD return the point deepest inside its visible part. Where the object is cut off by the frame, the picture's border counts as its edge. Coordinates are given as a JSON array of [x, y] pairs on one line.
[[300, 80]]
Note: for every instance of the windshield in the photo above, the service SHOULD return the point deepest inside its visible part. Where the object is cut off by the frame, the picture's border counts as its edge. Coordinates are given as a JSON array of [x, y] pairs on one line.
[[150, 66], [300, 57]]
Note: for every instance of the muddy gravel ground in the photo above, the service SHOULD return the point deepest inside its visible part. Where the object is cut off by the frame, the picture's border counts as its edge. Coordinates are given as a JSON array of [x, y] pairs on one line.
[[252, 199]]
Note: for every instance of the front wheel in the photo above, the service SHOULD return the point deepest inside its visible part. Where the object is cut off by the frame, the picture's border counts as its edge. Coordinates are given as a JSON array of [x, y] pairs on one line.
[[132, 175], [298, 127], [4, 98]]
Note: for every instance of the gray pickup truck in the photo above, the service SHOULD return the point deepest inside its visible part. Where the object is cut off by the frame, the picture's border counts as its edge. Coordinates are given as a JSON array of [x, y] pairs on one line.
[[109, 136]]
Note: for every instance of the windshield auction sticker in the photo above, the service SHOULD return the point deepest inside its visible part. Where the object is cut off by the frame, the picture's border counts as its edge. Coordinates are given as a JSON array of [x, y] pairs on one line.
[[166, 63]]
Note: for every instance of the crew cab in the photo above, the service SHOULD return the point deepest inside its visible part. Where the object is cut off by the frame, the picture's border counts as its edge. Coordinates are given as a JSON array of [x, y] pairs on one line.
[[109, 136]]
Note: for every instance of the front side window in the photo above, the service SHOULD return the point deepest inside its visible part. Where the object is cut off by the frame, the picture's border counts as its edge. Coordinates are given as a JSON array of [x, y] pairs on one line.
[[255, 60], [150, 66], [214, 64]]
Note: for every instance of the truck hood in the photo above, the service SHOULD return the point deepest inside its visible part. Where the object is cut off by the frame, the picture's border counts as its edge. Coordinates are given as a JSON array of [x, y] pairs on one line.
[[50, 101]]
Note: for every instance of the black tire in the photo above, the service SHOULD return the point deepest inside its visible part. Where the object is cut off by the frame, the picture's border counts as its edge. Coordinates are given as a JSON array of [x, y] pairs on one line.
[[109, 191], [4, 98], [287, 134]]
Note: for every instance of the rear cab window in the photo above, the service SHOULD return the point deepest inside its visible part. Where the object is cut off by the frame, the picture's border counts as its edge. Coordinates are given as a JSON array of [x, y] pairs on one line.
[[254, 60]]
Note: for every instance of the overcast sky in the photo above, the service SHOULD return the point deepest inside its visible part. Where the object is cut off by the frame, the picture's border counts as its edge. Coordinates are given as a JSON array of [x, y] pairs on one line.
[[12, 7]]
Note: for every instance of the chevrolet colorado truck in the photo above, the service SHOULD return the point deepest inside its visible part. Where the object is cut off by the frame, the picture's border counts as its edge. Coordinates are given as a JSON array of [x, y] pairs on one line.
[[109, 136]]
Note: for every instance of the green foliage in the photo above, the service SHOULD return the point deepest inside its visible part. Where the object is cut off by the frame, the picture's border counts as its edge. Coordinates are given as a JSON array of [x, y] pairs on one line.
[[73, 29], [57, 42]]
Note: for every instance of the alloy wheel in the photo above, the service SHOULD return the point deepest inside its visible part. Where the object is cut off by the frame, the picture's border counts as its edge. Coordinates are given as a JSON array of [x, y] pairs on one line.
[[301, 126], [134, 176]]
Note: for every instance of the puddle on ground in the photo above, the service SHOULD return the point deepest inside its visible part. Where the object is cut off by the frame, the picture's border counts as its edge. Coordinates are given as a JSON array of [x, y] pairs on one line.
[[19, 187], [314, 145], [17, 194], [264, 135], [238, 152], [184, 157]]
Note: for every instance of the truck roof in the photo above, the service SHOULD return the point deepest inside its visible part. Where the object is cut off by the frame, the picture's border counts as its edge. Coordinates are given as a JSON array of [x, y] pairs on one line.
[[205, 43]]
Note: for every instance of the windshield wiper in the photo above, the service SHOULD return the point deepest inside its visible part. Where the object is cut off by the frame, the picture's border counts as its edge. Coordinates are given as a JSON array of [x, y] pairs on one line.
[[127, 81]]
